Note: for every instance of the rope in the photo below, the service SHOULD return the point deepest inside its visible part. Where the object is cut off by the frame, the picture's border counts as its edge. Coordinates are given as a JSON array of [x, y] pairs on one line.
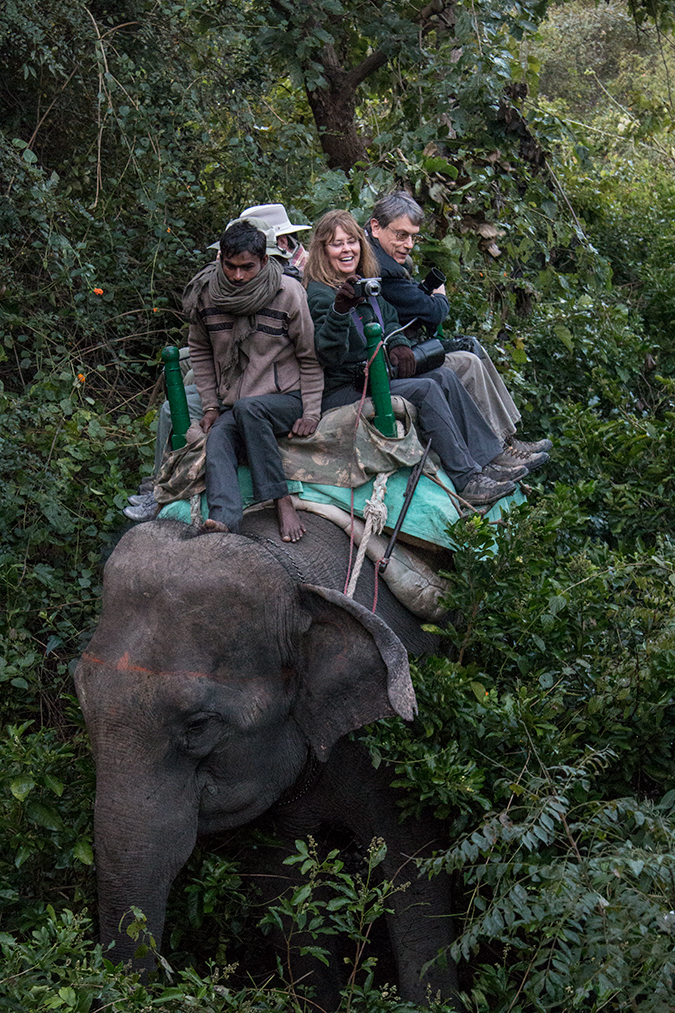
[[351, 543], [375, 516], [364, 393], [196, 510]]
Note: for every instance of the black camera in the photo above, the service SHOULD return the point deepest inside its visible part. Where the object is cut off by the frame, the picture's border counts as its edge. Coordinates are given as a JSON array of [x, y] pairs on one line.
[[367, 286], [432, 281]]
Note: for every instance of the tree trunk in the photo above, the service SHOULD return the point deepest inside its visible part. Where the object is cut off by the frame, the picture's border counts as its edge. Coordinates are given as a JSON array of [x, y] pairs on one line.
[[333, 110], [334, 107]]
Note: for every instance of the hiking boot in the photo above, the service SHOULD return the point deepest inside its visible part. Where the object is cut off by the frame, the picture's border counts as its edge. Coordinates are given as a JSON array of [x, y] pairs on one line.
[[144, 512], [482, 489], [511, 457], [144, 500], [520, 447], [505, 472]]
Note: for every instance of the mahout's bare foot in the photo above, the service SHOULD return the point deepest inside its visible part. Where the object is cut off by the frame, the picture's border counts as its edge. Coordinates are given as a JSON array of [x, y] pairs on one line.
[[291, 527], [211, 525]]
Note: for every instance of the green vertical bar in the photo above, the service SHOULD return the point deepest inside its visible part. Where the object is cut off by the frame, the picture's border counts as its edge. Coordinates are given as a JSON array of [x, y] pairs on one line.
[[379, 382], [175, 391]]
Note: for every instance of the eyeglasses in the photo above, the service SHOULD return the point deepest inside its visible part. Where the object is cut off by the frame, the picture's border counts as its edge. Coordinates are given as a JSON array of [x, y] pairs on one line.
[[343, 242], [401, 235]]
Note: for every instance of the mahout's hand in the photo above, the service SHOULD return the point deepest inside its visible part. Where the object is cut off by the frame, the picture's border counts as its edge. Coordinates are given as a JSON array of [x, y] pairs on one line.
[[209, 418], [402, 357], [304, 426], [345, 297]]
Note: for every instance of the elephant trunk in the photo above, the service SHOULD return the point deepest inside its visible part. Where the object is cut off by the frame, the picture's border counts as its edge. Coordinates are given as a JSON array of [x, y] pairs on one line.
[[143, 838]]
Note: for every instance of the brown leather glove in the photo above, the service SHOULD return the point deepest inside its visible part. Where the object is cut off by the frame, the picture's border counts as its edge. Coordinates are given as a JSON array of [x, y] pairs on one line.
[[345, 298], [402, 357]]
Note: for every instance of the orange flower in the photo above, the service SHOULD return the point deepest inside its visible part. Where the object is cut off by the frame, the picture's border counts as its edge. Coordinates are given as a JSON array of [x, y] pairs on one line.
[[168, 230], [155, 309], [81, 377], [98, 291]]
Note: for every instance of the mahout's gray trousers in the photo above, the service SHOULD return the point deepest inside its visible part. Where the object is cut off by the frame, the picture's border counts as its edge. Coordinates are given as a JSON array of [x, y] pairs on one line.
[[447, 415], [247, 433]]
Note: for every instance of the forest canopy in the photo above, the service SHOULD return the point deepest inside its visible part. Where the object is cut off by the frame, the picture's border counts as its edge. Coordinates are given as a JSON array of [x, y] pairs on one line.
[[538, 138]]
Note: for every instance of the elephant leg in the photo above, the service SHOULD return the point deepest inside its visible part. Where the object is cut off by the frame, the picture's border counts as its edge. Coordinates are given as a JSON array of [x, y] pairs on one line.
[[352, 795], [277, 882]]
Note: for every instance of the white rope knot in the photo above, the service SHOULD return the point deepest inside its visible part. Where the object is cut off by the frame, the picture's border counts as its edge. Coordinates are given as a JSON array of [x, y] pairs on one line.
[[375, 516], [196, 510], [375, 507]]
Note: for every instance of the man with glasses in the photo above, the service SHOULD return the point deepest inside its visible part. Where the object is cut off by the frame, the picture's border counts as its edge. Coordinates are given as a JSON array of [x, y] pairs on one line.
[[393, 230]]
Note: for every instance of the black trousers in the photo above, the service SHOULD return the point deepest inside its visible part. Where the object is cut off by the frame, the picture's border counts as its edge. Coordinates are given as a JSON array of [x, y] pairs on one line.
[[248, 432], [447, 415]]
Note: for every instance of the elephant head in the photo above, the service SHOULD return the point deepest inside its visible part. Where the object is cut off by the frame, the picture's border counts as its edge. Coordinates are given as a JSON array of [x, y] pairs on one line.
[[216, 672]]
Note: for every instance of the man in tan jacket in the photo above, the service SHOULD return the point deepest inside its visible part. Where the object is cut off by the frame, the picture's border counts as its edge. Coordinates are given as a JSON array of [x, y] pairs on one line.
[[251, 346]]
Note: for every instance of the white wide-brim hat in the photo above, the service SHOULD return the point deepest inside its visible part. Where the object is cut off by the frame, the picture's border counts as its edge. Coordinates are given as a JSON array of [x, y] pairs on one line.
[[272, 250], [276, 217]]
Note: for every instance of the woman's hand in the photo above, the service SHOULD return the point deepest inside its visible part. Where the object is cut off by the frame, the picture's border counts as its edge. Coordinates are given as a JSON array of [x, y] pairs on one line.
[[402, 357], [345, 297]]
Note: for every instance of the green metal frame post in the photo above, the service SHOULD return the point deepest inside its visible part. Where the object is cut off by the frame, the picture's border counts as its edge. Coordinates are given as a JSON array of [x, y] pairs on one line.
[[175, 391], [379, 382]]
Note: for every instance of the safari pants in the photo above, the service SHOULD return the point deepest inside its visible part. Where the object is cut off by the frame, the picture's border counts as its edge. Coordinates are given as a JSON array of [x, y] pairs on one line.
[[248, 432], [481, 380], [446, 415]]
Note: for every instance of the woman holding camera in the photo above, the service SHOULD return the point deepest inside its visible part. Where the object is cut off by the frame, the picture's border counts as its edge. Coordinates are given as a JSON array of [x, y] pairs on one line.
[[339, 255]]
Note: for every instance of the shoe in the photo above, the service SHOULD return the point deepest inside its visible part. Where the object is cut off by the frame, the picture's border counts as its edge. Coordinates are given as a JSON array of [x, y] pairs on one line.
[[147, 498], [520, 447], [482, 489], [144, 512], [511, 457], [505, 472]]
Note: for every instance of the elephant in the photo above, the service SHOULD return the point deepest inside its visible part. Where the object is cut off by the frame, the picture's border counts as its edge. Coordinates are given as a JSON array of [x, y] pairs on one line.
[[220, 684]]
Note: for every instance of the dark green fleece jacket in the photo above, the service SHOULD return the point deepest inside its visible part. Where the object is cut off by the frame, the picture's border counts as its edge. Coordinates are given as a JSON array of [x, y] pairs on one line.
[[339, 346]]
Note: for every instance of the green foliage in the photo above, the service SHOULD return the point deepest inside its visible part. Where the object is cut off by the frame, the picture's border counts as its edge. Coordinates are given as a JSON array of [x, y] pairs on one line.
[[572, 899], [330, 901], [546, 746]]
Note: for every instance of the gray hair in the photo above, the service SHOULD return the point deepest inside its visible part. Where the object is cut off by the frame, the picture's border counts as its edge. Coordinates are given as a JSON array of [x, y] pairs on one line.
[[396, 205]]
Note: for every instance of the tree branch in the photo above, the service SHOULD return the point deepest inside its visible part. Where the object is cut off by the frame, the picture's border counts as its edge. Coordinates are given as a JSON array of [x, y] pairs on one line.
[[372, 62]]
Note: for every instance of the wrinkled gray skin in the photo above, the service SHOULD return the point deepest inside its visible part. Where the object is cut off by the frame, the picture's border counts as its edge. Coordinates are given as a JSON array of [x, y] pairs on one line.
[[220, 666]]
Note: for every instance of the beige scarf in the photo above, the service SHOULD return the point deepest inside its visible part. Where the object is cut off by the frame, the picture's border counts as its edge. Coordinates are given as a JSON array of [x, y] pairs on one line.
[[242, 301]]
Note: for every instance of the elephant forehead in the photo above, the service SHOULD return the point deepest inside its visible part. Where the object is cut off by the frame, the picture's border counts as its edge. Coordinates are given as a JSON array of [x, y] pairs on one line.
[[225, 566], [113, 691]]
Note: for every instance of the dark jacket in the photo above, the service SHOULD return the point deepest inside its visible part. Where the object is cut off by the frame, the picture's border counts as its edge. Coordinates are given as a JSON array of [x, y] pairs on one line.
[[406, 296], [339, 346]]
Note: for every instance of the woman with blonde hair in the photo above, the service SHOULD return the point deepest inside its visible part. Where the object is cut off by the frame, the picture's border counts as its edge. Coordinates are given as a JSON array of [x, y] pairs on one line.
[[339, 254]]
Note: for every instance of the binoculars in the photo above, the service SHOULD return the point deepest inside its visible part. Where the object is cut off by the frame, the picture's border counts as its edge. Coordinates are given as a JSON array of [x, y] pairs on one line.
[[433, 279]]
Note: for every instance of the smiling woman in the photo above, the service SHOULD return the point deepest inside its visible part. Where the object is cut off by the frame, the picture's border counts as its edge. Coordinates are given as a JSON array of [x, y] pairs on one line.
[[339, 248]]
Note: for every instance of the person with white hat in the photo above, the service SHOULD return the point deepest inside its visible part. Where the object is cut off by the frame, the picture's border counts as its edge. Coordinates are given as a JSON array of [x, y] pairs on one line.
[[273, 220], [285, 231]]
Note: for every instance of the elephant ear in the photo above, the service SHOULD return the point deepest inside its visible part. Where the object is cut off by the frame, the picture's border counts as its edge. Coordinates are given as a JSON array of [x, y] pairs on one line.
[[353, 670]]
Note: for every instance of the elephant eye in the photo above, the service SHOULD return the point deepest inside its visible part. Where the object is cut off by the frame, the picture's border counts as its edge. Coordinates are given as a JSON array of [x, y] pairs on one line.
[[202, 731]]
